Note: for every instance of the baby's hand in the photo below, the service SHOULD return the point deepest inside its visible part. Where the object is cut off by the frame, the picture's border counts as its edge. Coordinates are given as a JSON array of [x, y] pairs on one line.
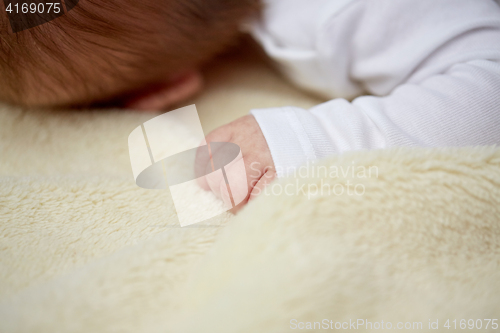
[[246, 133]]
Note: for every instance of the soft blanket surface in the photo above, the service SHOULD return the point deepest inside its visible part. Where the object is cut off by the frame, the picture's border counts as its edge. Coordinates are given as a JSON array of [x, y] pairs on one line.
[[83, 249]]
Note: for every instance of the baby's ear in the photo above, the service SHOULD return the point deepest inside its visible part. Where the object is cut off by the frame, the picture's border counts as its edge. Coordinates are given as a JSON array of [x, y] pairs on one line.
[[166, 94]]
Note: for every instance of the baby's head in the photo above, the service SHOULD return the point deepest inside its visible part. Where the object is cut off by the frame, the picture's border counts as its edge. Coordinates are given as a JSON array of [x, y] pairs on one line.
[[104, 48]]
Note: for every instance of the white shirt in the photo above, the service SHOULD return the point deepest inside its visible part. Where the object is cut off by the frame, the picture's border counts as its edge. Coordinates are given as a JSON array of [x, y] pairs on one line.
[[431, 68]]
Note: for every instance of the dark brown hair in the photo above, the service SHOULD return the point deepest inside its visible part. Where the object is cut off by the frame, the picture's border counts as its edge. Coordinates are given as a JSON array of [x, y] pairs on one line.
[[104, 47]]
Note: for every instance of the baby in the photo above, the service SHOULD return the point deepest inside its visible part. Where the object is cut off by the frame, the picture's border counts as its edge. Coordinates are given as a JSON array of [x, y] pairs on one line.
[[398, 72]]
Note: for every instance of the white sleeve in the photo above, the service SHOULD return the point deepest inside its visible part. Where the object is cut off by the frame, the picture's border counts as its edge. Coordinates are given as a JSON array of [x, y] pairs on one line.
[[437, 88], [459, 108]]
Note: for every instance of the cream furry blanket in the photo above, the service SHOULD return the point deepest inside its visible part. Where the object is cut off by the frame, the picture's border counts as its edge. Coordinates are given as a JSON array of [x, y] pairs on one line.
[[83, 249]]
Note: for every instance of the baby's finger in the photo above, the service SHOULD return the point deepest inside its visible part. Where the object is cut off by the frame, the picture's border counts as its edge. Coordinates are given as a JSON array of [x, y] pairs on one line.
[[238, 180], [255, 187], [263, 182]]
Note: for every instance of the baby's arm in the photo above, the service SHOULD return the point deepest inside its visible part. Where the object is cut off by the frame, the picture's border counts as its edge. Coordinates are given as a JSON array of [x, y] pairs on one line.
[[433, 68], [460, 107], [434, 71]]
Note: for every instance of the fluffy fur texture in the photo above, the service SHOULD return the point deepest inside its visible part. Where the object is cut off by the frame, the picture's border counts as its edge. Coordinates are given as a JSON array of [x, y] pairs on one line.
[[84, 250]]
